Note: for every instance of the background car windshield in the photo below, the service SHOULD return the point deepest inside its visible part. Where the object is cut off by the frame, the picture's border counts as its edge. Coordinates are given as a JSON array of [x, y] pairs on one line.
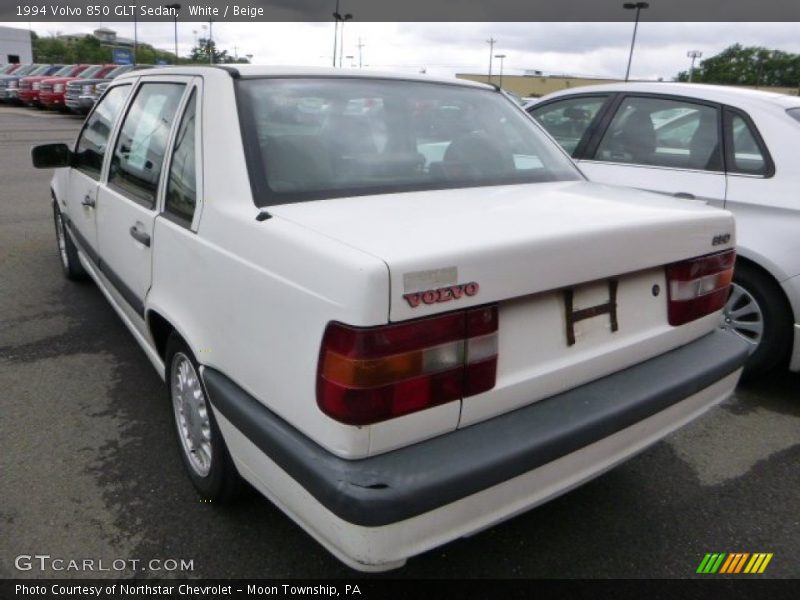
[[86, 74], [322, 138], [118, 71]]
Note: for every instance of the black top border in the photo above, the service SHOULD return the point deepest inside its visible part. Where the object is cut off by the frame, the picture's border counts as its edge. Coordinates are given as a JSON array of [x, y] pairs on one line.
[[33, 11]]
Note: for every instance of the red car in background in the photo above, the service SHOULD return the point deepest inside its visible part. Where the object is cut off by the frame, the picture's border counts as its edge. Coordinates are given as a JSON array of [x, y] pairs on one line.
[[10, 68], [29, 86], [52, 89]]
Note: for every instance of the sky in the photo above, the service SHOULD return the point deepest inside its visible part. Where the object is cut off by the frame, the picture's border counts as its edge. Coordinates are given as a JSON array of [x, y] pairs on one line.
[[577, 49]]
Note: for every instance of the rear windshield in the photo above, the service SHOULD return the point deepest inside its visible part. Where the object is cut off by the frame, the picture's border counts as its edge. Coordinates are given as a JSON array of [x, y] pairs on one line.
[[308, 139], [794, 113]]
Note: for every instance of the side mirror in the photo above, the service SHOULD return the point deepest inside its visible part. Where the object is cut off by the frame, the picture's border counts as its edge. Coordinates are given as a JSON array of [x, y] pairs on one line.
[[51, 156]]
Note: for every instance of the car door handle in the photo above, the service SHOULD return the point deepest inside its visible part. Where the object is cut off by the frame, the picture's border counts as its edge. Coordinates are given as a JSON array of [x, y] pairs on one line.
[[88, 201], [139, 235], [685, 195]]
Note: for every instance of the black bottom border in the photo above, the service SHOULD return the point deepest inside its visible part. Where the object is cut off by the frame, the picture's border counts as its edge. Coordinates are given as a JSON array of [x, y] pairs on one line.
[[380, 587]]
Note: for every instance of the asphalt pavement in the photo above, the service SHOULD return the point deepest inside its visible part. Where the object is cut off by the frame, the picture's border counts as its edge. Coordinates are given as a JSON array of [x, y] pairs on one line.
[[89, 466]]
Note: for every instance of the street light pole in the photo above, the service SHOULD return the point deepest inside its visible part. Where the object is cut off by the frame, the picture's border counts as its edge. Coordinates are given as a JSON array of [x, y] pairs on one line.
[[335, 32], [694, 55], [135, 37], [502, 58], [639, 6], [177, 8], [491, 41], [210, 43]]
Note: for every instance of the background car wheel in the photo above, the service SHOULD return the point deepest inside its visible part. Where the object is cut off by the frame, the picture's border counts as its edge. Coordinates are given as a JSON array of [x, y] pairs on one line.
[[200, 442], [757, 311], [67, 252]]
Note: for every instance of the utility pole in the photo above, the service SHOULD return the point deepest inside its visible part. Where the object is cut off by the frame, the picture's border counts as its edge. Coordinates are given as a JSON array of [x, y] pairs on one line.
[[491, 41], [360, 46]]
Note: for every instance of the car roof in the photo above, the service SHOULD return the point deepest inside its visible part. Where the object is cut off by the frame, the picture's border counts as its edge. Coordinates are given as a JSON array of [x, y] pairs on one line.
[[248, 71], [736, 96]]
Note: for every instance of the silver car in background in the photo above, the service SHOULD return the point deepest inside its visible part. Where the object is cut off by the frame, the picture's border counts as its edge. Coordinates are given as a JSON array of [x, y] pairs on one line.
[[730, 147]]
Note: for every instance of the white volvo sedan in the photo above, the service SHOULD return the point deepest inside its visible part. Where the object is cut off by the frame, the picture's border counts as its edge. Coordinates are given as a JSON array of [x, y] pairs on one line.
[[392, 304]]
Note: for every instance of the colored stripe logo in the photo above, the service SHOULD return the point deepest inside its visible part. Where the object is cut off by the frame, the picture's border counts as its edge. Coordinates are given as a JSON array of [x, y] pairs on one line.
[[734, 563]]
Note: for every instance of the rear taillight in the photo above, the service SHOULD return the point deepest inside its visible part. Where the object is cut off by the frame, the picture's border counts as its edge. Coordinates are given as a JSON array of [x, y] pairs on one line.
[[367, 375], [699, 286]]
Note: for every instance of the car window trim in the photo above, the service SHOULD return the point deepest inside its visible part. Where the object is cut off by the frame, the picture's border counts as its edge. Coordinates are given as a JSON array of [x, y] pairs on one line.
[[622, 96], [140, 81], [192, 225], [111, 133], [588, 135], [727, 119]]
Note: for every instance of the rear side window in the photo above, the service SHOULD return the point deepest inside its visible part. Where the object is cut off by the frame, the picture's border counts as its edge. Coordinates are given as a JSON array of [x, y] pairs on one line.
[[181, 195], [745, 154], [794, 113], [665, 133], [92, 142], [568, 120], [139, 154]]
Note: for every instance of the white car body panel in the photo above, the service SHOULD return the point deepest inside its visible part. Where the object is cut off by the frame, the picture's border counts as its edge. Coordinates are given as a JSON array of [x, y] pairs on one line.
[[767, 209]]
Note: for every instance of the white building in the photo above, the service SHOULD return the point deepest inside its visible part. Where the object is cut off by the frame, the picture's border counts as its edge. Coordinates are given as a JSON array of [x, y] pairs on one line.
[[15, 45]]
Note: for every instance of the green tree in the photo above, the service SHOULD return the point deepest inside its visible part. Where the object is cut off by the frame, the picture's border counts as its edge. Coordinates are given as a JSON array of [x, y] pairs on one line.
[[752, 65], [202, 52], [87, 49]]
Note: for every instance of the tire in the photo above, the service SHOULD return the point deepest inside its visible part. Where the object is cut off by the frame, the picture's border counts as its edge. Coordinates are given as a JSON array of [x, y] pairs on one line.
[[67, 252], [758, 312], [200, 442]]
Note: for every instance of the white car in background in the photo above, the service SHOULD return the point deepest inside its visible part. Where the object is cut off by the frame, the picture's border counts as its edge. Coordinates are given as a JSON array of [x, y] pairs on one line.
[[390, 303], [730, 147]]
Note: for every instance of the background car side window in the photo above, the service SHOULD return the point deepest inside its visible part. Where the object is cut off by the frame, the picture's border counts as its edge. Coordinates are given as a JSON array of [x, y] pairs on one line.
[[91, 146], [139, 155], [568, 120], [664, 133], [181, 196], [746, 155]]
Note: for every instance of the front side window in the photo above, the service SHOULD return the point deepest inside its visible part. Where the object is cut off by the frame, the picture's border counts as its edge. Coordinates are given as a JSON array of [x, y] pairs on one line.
[[568, 120], [664, 133], [139, 154], [91, 146], [321, 138], [181, 196]]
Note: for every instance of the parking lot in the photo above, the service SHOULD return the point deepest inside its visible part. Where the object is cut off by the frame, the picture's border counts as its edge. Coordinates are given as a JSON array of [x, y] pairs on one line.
[[90, 467]]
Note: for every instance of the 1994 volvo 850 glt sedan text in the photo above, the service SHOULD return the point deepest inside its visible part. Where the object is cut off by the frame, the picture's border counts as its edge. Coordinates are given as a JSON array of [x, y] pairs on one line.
[[392, 304]]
